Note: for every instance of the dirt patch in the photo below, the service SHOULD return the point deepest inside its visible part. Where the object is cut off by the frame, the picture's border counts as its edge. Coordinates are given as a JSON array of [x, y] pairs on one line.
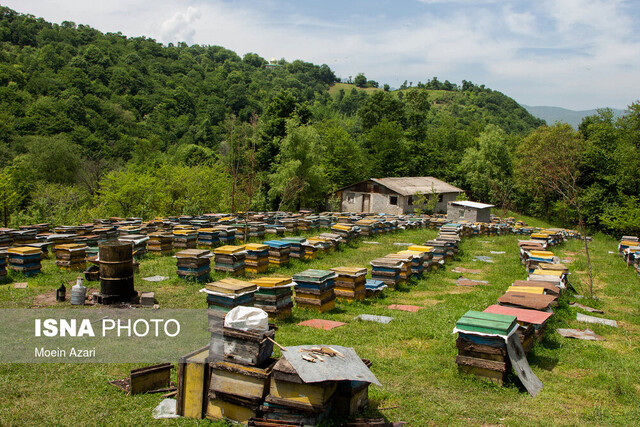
[[48, 299], [459, 290], [417, 344]]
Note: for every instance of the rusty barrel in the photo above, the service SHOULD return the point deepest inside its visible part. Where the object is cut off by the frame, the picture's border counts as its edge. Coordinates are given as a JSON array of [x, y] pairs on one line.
[[116, 271]]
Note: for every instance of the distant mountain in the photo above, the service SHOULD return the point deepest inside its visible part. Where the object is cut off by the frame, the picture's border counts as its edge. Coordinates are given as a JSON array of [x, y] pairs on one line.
[[563, 115]]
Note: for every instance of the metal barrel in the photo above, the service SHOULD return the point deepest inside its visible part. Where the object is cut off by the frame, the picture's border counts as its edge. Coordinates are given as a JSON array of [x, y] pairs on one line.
[[116, 270]]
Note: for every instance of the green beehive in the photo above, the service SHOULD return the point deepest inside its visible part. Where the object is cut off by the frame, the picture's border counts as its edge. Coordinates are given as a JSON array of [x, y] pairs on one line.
[[487, 323]]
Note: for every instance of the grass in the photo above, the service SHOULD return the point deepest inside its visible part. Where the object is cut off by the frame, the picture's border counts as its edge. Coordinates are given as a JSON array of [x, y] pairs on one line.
[[335, 88], [593, 383]]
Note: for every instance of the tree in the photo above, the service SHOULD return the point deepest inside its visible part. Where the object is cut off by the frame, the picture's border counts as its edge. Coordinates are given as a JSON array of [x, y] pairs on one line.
[[299, 180], [380, 106], [387, 148], [487, 168], [343, 159], [360, 80], [551, 157]]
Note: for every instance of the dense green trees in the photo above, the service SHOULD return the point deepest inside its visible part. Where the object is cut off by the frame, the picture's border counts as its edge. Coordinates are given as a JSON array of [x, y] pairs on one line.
[[96, 124]]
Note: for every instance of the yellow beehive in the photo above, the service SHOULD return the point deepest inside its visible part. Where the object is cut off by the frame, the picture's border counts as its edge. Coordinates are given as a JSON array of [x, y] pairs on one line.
[[420, 248], [557, 273], [270, 282], [527, 289], [256, 247], [23, 250], [228, 250]]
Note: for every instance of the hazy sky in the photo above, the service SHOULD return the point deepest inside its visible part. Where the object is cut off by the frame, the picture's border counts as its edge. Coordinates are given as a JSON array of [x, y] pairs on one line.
[[577, 54]]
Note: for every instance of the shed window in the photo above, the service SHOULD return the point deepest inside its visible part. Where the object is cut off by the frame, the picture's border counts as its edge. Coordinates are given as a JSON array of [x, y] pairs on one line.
[[461, 213], [393, 200], [351, 197], [410, 201]]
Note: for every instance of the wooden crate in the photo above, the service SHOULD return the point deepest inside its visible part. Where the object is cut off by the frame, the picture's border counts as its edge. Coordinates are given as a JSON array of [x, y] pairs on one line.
[[193, 384]]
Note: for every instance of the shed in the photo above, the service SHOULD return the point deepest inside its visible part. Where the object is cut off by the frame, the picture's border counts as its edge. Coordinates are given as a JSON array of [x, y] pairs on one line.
[[393, 196], [468, 211]]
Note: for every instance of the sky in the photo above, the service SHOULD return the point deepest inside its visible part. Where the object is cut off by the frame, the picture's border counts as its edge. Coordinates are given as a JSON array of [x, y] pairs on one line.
[[576, 54]]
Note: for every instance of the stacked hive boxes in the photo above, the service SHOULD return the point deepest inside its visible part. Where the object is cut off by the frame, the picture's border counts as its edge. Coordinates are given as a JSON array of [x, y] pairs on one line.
[[226, 234], [185, 238], [277, 230], [386, 270], [291, 225], [256, 230], [350, 283], [482, 349], [160, 243], [229, 259], [71, 256], [292, 400], [374, 287], [309, 250], [407, 263], [229, 293], [194, 264], [208, 238], [256, 258], [274, 296], [3, 264], [278, 252], [25, 260], [439, 251], [315, 290], [296, 246], [344, 230], [240, 369], [320, 243], [368, 227], [417, 261]]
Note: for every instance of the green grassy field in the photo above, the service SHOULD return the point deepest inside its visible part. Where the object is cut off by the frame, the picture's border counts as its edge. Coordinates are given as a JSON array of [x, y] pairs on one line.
[[593, 383]]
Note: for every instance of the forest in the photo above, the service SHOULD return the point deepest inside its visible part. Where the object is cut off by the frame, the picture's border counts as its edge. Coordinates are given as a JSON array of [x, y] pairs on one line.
[[98, 125]]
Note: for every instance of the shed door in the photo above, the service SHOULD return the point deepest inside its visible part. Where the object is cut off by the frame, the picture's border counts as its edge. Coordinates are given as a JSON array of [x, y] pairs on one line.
[[366, 202]]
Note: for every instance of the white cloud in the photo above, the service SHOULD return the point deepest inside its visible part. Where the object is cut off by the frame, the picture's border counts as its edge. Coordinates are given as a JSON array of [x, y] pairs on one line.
[[520, 23], [179, 28]]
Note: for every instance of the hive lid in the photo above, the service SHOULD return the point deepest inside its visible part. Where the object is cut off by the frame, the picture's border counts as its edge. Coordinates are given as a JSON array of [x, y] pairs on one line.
[[487, 323], [270, 282], [228, 250], [231, 286], [256, 247], [313, 275], [420, 248], [192, 253], [349, 271], [23, 250]]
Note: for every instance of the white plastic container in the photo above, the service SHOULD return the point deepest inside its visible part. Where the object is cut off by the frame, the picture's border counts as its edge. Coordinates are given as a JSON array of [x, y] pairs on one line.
[[78, 293]]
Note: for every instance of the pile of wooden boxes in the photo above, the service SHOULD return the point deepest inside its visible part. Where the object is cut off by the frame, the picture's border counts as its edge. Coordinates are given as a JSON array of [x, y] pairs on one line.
[[208, 238], [387, 270], [296, 246], [185, 238], [241, 364], [278, 252], [439, 253], [368, 227], [350, 283], [229, 293], [160, 243], [256, 230], [629, 249], [427, 255], [25, 260], [71, 256], [229, 259], [194, 264], [482, 349], [374, 288], [314, 290], [309, 250], [406, 259], [347, 231], [275, 296], [226, 234], [256, 258]]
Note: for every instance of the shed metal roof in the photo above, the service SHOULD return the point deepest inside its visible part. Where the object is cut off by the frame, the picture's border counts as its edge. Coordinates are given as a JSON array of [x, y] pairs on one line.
[[408, 186], [468, 204]]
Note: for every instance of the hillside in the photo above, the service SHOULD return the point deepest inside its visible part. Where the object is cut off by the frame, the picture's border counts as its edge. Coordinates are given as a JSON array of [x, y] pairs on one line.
[[99, 125], [552, 115]]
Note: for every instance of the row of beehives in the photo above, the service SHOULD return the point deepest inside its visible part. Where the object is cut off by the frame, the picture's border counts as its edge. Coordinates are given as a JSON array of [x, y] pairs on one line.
[[523, 310], [629, 249], [282, 395]]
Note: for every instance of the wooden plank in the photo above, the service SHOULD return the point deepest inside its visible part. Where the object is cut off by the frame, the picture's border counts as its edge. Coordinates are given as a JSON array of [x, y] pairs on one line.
[[534, 317], [521, 366], [150, 378], [481, 363]]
